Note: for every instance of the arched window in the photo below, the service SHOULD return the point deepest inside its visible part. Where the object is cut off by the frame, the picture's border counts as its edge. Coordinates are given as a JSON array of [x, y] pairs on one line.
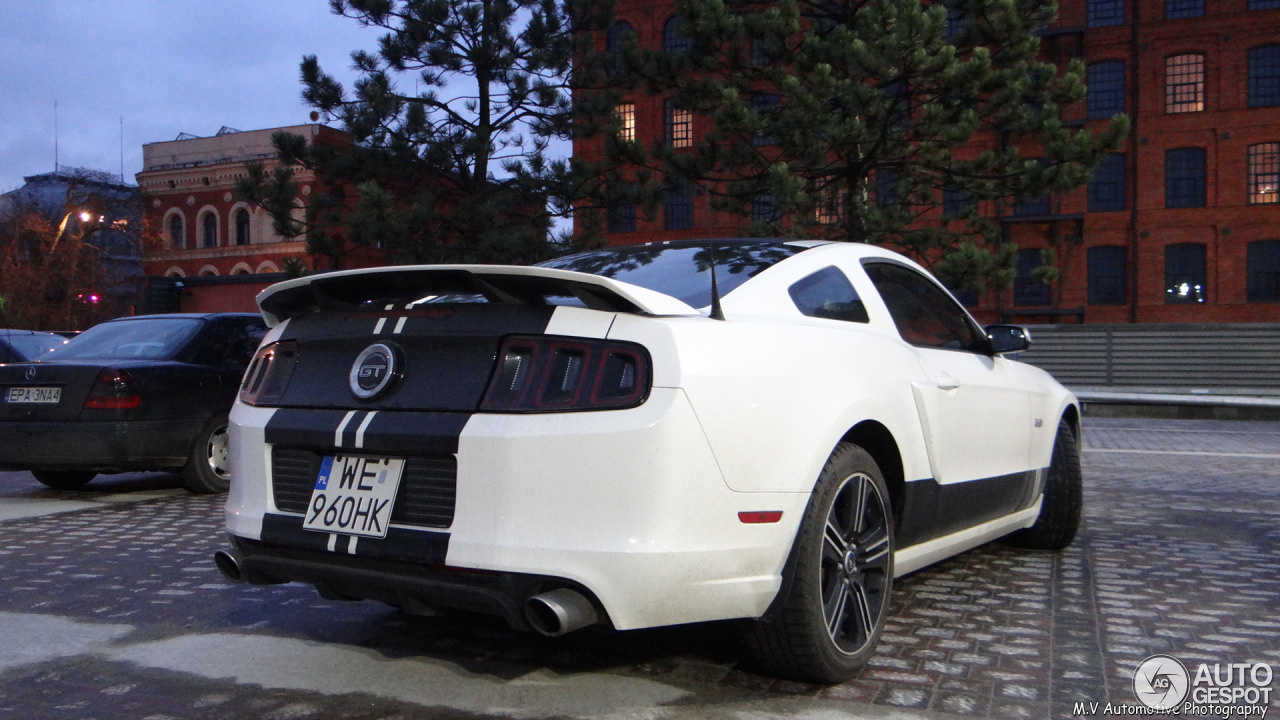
[[613, 42], [673, 38], [209, 231], [242, 227], [177, 232]]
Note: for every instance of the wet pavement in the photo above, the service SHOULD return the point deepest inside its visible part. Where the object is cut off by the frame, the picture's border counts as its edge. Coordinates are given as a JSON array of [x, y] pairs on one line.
[[111, 607]]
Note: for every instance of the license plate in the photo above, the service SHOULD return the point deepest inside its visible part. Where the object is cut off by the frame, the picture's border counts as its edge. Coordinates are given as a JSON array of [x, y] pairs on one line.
[[34, 395], [354, 495]]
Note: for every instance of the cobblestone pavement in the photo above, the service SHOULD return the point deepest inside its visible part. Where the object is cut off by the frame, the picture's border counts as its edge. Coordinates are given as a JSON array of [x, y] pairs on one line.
[[111, 608]]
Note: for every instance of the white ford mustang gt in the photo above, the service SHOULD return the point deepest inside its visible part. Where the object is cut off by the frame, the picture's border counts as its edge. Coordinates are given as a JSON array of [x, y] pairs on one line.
[[644, 436]]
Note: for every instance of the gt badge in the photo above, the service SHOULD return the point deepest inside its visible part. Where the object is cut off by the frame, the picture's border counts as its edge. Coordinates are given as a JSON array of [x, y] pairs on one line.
[[372, 371]]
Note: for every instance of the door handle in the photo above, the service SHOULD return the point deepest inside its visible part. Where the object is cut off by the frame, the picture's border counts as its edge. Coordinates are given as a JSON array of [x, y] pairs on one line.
[[946, 382]]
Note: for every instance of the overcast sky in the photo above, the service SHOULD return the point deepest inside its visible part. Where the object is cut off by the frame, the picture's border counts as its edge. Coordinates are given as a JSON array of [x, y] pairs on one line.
[[164, 66]]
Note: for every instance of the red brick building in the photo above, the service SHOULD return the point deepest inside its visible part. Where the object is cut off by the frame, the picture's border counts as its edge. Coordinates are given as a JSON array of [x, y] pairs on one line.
[[1181, 225], [221, 249]]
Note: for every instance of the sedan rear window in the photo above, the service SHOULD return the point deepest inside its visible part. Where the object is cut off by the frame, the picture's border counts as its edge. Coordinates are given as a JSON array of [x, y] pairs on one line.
[[144, 339], [681, 270]]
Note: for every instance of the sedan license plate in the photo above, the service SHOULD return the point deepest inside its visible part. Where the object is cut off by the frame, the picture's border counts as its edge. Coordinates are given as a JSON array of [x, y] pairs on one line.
[[34, 395], [354, 495]]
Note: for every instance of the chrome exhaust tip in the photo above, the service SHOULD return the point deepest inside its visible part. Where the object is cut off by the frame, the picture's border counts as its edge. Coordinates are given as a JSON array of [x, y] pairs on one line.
[[559, 611], [229, 565]]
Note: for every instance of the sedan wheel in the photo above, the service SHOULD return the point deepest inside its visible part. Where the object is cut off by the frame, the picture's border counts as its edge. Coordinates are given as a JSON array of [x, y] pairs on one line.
[[208, 470], [64, 479], [828, 617]]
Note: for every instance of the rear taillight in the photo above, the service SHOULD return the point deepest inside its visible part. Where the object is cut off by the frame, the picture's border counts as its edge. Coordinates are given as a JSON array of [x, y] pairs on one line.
[[268, 374], [556, 374], [114, 390]]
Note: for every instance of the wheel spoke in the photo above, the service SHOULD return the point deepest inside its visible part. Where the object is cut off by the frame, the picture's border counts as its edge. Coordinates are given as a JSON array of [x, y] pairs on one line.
[[875, 550], [862, 607], [836, 609], [859, 498], [834, 545]]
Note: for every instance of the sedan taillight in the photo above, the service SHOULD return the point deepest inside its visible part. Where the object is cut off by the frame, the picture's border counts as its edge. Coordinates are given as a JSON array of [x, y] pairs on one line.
[[114, 390], [556, 374], [268, 374]]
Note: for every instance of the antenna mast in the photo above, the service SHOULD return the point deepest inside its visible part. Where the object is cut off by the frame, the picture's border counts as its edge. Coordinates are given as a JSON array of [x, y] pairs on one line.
[[716, 312]]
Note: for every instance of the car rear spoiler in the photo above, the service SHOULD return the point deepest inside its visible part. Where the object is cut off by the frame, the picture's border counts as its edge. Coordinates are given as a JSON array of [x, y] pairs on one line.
[[506, 284]]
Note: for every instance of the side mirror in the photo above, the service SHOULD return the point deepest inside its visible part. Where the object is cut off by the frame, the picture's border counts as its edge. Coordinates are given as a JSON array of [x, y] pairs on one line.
[[1008, 338]]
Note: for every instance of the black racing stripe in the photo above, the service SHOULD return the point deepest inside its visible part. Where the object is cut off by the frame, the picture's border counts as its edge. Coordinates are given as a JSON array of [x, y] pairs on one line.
[[398, 433], [410, 433], [307, 428], [931, 510], [444, 354], [417, 546]]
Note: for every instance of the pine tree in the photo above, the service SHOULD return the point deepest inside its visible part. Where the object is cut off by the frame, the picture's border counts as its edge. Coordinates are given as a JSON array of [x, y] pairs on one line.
[[854, 119], [452, 122]]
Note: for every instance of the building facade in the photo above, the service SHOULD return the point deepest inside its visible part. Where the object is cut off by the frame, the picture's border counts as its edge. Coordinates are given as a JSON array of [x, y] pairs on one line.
[[1182, 224], [215, 251]]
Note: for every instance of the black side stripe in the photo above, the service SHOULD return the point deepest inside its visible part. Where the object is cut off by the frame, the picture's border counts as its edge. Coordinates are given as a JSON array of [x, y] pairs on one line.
[[931, 509]]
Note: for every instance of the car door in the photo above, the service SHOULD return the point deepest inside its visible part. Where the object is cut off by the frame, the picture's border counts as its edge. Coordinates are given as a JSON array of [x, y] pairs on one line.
[[975, 412]]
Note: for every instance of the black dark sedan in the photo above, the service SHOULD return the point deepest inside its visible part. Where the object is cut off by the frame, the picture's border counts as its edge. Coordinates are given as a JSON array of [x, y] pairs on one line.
[[138, 393], [22, 345]]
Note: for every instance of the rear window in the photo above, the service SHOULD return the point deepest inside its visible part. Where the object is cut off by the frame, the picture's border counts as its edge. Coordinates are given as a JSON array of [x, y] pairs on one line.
[[34, 345], [142, 339], [680, 270]]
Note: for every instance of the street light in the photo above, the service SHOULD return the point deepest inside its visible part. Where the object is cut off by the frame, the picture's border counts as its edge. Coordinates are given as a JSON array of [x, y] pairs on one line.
[[84, 216]]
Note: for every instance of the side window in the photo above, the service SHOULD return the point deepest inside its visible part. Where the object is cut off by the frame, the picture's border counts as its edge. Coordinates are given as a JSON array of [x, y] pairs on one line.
[[922, 311], [828, 294]]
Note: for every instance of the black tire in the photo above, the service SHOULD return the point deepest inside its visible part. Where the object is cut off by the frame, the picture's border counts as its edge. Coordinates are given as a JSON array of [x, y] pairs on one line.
[[208, 469], [1060, 510], [828, 616], [64, 479]]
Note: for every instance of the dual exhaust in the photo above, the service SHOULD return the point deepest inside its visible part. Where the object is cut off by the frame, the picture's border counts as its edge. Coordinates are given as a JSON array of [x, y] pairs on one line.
[[552, 613]]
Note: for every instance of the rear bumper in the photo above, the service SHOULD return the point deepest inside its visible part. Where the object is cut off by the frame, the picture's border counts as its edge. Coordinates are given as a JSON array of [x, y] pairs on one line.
[[107, 446], [628, 507]]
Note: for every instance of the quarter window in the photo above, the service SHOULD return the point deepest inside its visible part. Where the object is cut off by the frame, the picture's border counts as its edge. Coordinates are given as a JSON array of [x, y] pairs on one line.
[[1184, 273], [1264, 173], [923, 312], [1184, 83], [1264, 271], [1184, 178], [1264, 76], [1106, 89], [1107, 279], [828, 294]]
